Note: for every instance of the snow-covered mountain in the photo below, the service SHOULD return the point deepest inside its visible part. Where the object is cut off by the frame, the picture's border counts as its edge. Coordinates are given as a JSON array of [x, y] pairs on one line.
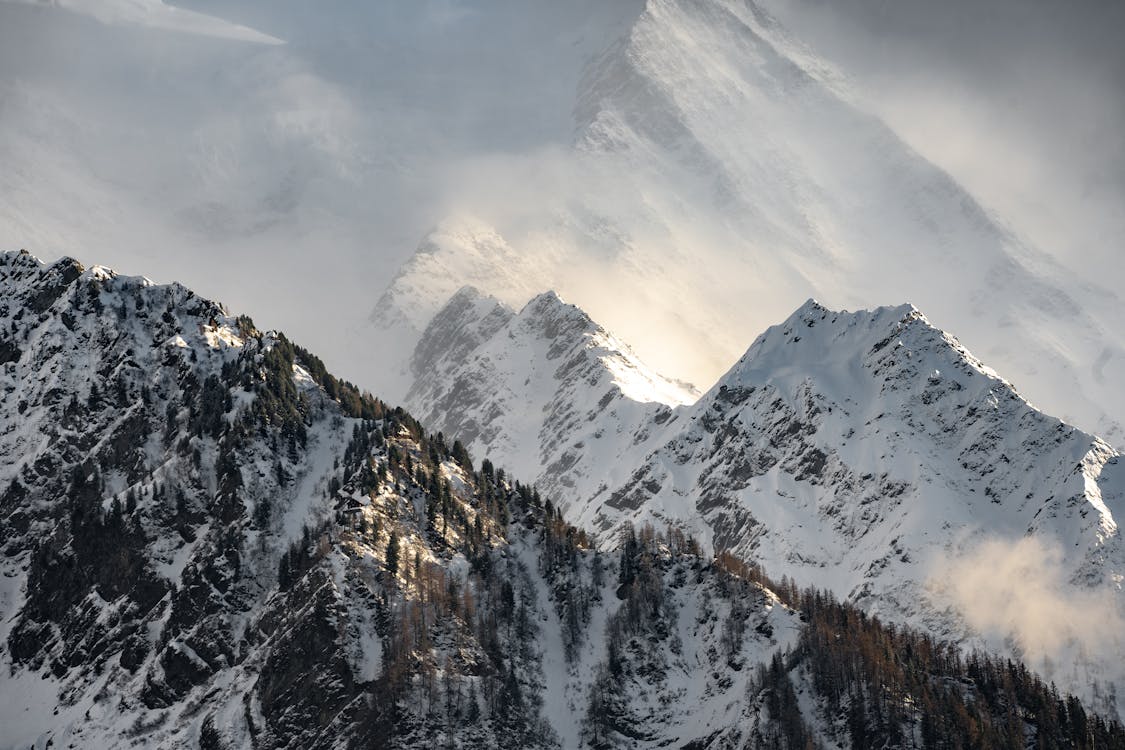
[[713, 146], [869, 452], [719, 96], [545, 389], [209, 541], [703, 177], [460, 251]]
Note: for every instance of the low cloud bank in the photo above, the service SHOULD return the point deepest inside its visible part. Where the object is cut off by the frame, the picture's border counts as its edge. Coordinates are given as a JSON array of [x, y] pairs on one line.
[[1017, 592]]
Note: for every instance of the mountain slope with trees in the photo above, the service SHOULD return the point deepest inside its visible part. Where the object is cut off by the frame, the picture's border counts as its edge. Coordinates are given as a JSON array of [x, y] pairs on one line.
[[209, 541]]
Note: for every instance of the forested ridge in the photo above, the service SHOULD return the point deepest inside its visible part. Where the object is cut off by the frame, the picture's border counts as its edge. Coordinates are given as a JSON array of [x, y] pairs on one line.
[[887, 686]]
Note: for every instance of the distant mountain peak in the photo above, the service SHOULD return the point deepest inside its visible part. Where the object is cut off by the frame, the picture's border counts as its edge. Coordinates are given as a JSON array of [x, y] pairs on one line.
[[490, 375], [546, 301], [815, 334], [22, 261], [468, 319], [460, 252]]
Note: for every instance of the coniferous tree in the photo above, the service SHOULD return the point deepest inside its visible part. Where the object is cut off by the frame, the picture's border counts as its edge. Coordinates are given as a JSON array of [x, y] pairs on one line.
[[392, 554]]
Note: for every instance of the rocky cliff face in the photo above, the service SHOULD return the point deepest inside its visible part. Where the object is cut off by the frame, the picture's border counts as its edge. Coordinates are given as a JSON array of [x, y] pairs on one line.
[[545, 389], [158, 455]]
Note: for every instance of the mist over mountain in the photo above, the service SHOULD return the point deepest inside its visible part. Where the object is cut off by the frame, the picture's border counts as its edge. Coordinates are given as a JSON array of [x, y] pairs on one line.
[[688, 173], [868, 451]]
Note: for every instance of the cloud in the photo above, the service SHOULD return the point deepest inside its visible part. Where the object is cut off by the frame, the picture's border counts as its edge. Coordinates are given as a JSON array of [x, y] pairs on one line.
[[314, 168], [1016, 591]]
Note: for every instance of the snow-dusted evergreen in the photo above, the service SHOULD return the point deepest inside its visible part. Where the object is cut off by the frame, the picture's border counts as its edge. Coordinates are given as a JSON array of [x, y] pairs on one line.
[[209, 541]]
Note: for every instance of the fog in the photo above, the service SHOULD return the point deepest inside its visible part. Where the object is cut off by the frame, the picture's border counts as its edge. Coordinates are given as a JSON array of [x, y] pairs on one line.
[[1016, 591], [285, 180]]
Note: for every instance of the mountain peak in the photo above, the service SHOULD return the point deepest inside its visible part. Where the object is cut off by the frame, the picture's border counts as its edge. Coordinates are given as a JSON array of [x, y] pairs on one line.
[[816, 334], [469, 318], [100, 273], [468, 293], [14, 261], [891, 347], [570, 331], [549, 298], [460, 251], [812, 311], [553, 317], [810, 306], [488, 375]]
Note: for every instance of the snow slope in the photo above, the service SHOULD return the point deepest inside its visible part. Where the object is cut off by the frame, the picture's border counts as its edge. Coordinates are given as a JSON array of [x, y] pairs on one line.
[[726, 175], [826, 197], [460, 251]]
